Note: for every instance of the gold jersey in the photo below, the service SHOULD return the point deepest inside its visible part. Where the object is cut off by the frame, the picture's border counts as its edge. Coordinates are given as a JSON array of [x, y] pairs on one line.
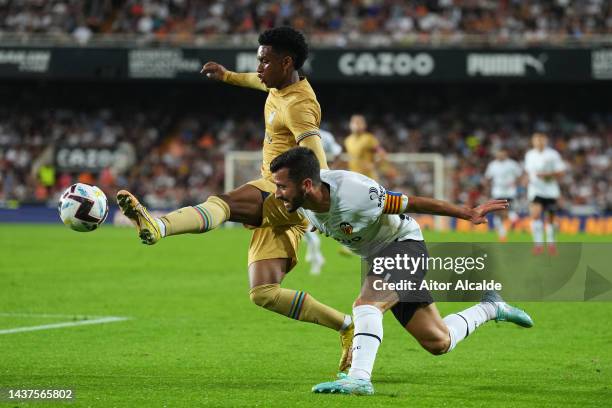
[[291, 115], [361, 149]]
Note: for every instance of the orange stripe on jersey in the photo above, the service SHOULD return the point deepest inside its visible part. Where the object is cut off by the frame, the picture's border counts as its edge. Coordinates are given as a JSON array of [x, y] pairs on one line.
[[393, 203]]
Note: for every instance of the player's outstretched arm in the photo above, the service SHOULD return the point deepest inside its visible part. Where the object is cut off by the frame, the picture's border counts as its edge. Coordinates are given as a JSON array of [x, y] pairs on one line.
[[477, 215], [218, 72]]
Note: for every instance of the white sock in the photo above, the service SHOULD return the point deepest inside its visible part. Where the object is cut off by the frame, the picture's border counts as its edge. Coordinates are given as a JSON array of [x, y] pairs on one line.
[[368, 336], [313, 245], [537, 231], [550, 233], [499, 226], [462, 324], [513, 216], [162, 227]]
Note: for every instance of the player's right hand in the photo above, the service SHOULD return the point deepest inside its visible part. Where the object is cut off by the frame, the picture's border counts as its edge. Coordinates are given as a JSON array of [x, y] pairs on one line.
[[212, 70], [478, 214]]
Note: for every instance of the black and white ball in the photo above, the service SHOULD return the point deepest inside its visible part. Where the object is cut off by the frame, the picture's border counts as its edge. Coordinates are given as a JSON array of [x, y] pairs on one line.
[[83, 207]]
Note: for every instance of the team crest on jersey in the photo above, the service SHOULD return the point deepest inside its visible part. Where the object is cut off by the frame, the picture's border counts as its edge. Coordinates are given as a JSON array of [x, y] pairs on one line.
[[346, 228]]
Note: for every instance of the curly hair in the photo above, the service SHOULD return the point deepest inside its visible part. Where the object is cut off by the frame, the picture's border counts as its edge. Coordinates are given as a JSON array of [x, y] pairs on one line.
[[286, 40]]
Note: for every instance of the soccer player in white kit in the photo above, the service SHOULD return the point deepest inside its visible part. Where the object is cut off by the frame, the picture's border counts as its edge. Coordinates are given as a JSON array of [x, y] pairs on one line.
[[503, 174], [544, 167], [314, 256], [359, 213]]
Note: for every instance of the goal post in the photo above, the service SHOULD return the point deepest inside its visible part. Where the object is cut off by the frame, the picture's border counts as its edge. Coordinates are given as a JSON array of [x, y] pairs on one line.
[[436, 162], [411, 173]]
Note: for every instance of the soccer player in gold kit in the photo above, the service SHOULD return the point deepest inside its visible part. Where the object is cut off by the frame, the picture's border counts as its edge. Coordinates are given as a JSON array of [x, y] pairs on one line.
[[292, 117], [364, 151], [363, 148]]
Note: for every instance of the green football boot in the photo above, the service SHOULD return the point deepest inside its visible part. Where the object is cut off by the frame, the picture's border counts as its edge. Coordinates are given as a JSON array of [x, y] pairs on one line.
[[506, 312], [345, 385]]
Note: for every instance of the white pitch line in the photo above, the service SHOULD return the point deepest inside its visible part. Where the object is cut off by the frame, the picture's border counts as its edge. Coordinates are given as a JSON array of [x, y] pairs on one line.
[[109, 319], [51, 316]]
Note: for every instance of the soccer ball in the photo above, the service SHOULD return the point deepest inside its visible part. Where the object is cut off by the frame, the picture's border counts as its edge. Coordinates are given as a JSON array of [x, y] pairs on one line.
[[83, 207]]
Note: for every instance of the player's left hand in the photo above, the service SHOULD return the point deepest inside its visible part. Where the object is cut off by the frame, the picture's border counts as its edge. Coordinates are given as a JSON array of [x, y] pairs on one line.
[[478, 214], [213, 70]]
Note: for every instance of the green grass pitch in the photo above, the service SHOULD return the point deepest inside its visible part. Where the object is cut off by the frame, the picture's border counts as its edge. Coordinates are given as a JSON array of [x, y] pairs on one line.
[[194, 338]]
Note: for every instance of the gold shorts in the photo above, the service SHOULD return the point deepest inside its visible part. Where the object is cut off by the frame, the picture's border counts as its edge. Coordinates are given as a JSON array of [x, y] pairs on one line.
[[280, 232]]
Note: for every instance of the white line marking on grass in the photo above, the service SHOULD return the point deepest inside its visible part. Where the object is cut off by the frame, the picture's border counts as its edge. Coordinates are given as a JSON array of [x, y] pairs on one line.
[[108, 319], [51, 316]]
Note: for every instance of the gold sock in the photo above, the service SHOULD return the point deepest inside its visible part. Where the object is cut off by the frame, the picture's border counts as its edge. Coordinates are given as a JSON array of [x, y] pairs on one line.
[[296, 304], [197, 219]]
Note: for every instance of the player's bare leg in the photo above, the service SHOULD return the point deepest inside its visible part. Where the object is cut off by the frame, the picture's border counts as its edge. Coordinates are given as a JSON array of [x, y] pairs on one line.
[[537, 227], [265, 277], [428, 328], [242, 205], [439, 336]]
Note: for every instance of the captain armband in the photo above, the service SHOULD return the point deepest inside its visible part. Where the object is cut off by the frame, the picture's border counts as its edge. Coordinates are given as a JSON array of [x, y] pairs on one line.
[[395, 203]]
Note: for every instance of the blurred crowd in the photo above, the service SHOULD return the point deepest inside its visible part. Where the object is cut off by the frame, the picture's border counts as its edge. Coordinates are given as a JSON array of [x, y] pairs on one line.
[[330, 21], [176, 159], [469, 144]]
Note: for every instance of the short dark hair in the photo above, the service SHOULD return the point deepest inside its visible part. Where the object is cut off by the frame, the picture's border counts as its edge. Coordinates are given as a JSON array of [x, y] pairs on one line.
[[286, 40], [301, 162]]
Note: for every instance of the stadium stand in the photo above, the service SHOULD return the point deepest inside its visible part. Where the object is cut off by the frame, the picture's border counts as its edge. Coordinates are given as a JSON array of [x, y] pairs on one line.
[[331, 22], [174, 155]]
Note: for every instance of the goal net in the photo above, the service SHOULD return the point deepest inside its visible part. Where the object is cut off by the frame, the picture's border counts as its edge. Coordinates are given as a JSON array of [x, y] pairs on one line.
[[419, 174]]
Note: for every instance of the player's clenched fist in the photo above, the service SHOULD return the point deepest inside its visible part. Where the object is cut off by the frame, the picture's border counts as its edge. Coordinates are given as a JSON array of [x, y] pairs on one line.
[[213, 70]]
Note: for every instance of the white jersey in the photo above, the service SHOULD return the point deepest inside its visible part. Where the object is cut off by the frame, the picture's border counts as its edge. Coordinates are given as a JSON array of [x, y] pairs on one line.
[[331, 148], [503, 175], [355, 217], [545, 161]]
